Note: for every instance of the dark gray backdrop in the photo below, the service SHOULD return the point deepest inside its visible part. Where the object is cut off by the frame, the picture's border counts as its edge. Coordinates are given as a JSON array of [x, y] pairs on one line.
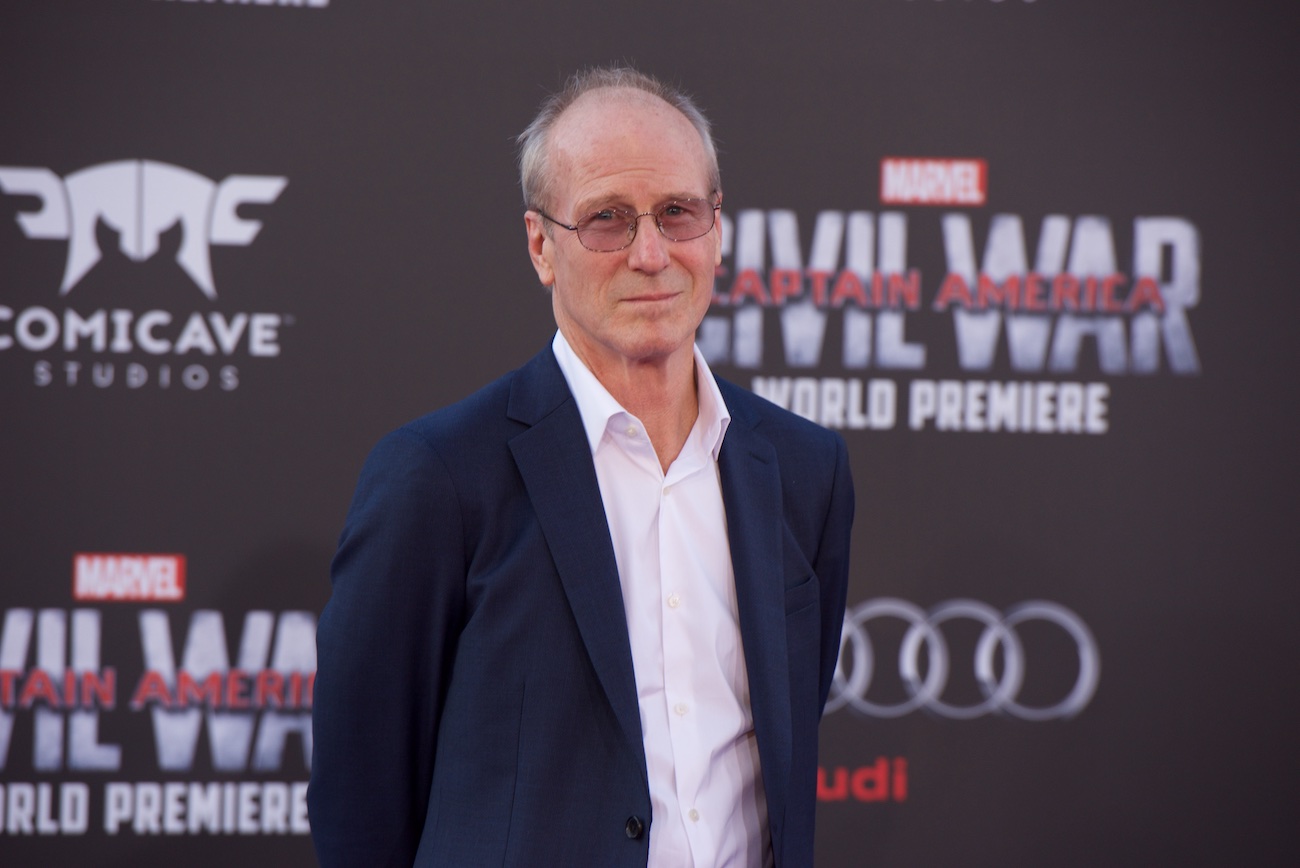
[[394, 261]]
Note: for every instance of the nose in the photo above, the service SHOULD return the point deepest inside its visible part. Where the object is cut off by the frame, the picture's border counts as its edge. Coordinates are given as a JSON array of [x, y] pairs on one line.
[[649, 248]]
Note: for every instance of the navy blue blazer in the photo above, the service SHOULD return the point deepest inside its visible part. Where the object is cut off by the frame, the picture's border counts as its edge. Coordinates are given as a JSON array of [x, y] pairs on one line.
[[475, 702]]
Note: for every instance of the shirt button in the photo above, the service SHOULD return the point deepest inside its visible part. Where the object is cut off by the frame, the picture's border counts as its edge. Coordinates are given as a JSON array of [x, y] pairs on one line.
[[693, 814], [631, 431], [680, 708], [674, 601]]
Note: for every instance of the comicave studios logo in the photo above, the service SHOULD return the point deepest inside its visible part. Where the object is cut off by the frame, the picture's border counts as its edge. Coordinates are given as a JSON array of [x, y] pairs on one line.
[[142, 201]]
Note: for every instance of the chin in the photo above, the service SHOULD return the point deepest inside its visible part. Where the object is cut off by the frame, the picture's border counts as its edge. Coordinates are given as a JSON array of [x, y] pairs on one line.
[[658, 346]]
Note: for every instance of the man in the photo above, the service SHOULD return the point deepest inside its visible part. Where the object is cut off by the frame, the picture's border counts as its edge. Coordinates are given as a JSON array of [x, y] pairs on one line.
[[589, 615]]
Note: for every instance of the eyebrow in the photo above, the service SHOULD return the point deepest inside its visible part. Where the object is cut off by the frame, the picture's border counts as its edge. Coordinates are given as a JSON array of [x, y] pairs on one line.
[[596, 203]]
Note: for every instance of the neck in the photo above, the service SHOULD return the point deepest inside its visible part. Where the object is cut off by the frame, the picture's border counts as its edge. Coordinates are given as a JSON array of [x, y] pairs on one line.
[[661, 392]]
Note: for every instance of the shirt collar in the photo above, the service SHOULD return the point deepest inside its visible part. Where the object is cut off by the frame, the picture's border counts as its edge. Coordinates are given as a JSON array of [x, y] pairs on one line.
[[597, 406]]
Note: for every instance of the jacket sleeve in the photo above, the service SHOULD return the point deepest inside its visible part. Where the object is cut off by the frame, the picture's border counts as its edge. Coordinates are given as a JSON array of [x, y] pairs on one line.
[[385, 644], [832, 566]]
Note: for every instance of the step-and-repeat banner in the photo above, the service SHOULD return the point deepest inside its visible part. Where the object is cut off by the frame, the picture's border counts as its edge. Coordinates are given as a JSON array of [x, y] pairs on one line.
[[1034, 260]]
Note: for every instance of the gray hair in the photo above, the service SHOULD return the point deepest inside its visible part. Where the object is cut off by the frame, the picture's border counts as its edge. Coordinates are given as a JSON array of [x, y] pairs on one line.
[[534, 153]]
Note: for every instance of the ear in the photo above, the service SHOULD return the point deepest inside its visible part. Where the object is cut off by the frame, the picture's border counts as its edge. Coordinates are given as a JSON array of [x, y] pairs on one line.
[[717, 233], [539, 247]]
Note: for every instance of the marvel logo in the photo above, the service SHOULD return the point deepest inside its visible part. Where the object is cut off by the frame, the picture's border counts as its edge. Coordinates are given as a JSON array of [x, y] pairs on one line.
[[908, 181], [128, 577]]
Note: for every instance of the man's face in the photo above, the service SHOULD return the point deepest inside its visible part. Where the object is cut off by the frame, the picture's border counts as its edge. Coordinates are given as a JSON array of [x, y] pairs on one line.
[[641, 304]]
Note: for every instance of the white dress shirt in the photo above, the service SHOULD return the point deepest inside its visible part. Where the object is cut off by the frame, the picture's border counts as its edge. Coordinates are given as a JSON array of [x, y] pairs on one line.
[[679, 592]]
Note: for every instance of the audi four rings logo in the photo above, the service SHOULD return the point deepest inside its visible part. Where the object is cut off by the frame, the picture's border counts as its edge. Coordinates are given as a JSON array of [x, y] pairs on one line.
[[924, 686]]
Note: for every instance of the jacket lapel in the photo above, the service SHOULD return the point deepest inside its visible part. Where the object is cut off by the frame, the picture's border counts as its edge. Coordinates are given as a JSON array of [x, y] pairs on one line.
[[554, 460], [751, 492]]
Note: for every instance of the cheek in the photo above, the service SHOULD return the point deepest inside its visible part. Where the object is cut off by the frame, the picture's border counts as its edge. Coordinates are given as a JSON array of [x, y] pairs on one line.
[[708, 271], [704, 301], [579, 291]]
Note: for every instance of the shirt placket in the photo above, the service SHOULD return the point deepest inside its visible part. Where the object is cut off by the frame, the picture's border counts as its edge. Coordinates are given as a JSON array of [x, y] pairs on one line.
[[647, 608], [681, 611]]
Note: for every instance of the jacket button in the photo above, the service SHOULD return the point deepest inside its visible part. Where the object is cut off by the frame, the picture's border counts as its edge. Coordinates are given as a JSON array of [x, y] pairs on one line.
[[634, 827]]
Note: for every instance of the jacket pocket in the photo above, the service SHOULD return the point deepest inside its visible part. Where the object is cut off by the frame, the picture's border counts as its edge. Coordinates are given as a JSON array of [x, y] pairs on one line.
[[802, 595]]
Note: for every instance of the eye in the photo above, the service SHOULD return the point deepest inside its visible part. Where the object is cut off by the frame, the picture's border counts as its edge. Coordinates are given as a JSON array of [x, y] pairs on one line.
[[605, 218], [674, 210]]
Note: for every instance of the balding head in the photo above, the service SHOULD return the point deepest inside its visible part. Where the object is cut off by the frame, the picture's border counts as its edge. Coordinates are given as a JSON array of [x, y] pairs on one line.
[[535, 170]]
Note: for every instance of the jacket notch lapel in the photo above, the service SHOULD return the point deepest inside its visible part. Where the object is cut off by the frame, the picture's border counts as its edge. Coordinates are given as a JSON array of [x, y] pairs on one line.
[[555, 463], [751, 493]]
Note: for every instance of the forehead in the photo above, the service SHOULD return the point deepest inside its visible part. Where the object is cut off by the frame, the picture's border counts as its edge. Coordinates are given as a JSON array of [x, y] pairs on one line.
[[625, 144]]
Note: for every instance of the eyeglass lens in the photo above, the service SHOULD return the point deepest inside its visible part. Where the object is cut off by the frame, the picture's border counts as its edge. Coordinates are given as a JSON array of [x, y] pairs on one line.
[[614, 228]]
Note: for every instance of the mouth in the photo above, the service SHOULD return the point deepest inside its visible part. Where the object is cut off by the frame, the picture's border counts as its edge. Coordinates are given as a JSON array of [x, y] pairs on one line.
[[651, 297]]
